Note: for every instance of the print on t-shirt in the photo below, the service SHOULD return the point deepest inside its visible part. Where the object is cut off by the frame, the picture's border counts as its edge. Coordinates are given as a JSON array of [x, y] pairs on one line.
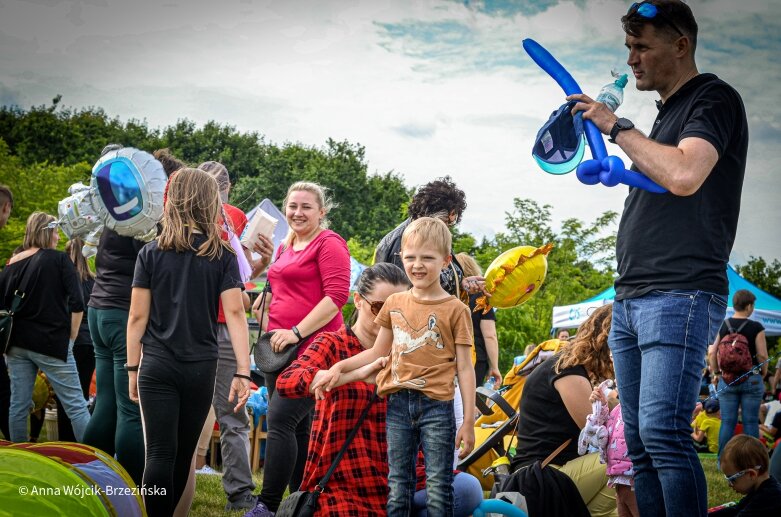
[[406, 340]]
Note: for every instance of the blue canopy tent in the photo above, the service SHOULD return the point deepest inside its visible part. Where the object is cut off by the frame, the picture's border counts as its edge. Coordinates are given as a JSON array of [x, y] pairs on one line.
[[767, 309]]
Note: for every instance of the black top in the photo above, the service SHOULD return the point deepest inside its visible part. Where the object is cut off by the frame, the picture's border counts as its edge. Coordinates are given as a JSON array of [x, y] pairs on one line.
[[545, 422], [114, 266], [776, 424], [43, 322], [84, 338], [388, 251], [477, 317], [185, 291], [763, 502], [674, 242], [751, 330]]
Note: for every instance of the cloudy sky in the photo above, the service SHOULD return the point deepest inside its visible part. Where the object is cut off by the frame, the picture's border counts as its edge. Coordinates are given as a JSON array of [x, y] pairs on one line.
[[428, 87]]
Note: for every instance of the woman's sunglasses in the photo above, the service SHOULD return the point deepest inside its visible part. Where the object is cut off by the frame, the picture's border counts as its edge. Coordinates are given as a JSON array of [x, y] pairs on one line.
[[376, 307], [734, 477], [52, 225], [650, 11]]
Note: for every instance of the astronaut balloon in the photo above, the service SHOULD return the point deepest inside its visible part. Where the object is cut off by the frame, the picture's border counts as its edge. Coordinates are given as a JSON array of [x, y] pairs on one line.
[[125, 195]]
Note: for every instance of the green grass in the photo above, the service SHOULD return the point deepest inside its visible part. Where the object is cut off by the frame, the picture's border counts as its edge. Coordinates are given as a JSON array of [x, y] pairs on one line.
[[210, 499]]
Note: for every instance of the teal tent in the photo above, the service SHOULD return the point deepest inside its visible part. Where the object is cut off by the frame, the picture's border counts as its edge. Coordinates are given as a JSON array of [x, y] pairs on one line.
[[767, 309]]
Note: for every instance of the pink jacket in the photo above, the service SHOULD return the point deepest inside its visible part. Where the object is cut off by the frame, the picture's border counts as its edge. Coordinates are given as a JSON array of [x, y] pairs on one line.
[[618, 462]]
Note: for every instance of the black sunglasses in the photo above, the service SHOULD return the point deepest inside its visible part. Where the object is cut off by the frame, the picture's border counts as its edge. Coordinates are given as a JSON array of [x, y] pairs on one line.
[[650, 11]]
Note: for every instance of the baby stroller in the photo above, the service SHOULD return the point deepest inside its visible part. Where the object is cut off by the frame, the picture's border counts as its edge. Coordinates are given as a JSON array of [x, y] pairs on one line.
[[494, 429]]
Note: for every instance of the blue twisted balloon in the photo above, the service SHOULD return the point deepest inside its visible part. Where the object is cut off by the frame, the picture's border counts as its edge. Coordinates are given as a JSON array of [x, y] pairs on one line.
[[608, 170]]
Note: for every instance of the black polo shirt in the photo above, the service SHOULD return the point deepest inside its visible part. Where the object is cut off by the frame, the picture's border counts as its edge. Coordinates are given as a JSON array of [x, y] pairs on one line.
[[683, 242]]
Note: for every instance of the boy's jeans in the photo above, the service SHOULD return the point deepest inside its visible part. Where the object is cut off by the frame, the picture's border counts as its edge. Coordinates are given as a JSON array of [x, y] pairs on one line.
[[413, 420], [659, 342]]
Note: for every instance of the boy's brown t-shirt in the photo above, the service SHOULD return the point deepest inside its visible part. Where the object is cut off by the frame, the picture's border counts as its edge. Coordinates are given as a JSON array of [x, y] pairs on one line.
[[425, 336]]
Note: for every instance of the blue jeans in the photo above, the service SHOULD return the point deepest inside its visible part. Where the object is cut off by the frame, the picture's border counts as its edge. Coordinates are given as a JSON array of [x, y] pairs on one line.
[[747, 396], [659, 341], [23, 366], [467, 495], [412, 419]]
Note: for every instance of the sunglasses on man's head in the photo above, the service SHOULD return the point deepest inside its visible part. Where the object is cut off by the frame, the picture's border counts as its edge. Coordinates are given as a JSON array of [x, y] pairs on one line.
[[650, 11], [734, 477]]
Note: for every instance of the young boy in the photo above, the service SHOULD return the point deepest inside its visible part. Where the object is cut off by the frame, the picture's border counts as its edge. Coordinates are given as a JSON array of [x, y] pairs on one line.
[[744, 462], [707, 426], [427, 333]]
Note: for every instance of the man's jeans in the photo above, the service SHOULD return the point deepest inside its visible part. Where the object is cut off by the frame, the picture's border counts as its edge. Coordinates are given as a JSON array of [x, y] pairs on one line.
[[23, 366], [412, 419], [659, 342], [747, 396]]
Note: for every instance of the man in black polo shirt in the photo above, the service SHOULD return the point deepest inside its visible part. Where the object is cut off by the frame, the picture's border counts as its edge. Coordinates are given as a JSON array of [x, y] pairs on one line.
[[672, 248]]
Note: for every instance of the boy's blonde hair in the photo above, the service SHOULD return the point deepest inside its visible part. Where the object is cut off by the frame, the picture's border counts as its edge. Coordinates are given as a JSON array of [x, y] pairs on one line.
[[193, 206], [428, 230], [469, 264], [745, 452], [324, 201], [36, 233]]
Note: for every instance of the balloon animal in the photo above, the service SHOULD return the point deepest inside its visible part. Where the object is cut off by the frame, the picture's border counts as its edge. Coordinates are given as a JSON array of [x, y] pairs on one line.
[[608, 170]]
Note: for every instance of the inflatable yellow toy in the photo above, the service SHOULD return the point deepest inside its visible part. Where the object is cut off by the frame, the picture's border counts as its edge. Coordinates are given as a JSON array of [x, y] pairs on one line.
[[514, 276]]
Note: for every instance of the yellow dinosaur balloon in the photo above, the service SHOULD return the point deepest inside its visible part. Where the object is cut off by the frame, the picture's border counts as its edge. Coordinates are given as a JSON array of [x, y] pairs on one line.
[[514, 276]]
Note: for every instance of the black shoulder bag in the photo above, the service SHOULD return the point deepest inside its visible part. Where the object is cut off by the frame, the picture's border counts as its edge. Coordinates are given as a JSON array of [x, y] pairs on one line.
[[7, 316], [303, 503]]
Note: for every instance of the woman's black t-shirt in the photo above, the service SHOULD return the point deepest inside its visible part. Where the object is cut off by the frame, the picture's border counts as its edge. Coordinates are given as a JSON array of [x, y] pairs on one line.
[[185, 291], [43, 322], [545, 422], [751, 331]]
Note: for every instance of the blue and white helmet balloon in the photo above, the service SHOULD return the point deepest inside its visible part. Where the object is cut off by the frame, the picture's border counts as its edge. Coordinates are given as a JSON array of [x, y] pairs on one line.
[[127, 186]]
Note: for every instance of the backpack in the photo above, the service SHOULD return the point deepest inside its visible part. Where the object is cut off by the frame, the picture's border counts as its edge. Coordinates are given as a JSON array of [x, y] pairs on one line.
[[734, 355]]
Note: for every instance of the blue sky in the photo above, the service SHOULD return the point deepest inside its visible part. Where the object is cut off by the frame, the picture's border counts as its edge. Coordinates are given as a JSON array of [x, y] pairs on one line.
[[428, 87]]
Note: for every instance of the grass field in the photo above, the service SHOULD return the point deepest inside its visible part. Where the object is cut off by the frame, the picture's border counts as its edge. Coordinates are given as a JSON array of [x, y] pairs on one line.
[[210, 499]]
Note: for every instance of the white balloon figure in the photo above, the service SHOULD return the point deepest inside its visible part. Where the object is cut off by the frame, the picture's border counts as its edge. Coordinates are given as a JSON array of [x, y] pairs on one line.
[[125, 195]]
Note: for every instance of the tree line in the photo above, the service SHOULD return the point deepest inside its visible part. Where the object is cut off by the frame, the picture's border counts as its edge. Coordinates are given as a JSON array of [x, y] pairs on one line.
[[45, 149]]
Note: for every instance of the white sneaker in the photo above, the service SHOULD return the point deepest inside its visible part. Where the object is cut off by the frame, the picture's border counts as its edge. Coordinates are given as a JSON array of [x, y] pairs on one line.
[[208, 471]]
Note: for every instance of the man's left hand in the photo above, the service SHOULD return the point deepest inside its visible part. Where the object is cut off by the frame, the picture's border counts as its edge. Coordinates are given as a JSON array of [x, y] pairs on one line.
[[594, 111]]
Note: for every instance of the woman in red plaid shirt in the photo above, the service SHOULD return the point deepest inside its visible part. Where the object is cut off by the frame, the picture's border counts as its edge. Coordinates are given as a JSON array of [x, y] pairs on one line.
[[359, 485]]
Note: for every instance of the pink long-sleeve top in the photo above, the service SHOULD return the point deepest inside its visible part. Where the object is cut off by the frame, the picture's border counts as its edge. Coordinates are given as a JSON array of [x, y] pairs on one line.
[[300, 279]]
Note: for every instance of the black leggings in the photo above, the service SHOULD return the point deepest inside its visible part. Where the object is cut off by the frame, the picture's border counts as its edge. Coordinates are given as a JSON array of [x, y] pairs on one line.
[[175, 399], [287, 443]]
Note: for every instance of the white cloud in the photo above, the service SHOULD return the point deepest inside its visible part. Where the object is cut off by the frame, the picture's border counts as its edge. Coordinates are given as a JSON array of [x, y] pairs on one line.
[[430, 88]]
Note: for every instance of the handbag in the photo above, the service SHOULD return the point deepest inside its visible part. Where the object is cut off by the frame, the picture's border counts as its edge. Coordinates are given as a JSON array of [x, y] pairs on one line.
[[7, 315], [304, 503], [266, 359]]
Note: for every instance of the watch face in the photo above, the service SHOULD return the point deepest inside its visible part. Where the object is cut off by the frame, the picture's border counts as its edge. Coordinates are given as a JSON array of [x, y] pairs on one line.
[[625, 123]]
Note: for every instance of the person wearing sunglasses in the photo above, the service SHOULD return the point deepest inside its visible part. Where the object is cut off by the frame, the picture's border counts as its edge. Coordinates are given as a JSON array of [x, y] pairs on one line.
[[744, 462], [337, 413], [672, 248]]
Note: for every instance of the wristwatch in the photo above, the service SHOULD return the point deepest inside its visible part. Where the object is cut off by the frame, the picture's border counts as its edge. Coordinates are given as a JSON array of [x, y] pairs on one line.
[[129, 368], [621, 124], [296, 332]]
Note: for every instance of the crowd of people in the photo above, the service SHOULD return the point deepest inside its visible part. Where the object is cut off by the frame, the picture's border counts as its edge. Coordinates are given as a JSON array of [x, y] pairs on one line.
[[163, 324]]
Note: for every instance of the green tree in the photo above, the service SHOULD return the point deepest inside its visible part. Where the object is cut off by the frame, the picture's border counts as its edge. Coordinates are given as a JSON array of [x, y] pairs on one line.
[[36, 188], [763, 275], [579, 266]]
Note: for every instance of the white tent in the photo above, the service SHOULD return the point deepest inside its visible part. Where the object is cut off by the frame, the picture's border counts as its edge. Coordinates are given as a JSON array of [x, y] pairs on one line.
[[767, 309]]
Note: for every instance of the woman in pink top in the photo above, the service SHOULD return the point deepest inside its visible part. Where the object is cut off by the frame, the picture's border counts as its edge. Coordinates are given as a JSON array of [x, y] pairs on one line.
[[310, 282]]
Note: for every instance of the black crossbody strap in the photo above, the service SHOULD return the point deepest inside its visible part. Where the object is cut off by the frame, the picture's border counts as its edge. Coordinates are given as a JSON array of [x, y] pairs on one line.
[[321, 485], [21, 289]]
